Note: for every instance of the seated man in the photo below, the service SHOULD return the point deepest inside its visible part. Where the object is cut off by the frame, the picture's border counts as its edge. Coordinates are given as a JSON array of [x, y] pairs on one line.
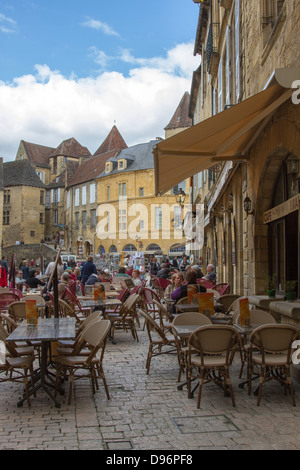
[[95, 278], [19, 281], [122, 272], [210, 273], [164, 272]]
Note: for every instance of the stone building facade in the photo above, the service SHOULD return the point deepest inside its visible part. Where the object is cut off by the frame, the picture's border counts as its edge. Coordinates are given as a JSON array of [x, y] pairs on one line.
[[247, 124], [130, 216], [23, 204]]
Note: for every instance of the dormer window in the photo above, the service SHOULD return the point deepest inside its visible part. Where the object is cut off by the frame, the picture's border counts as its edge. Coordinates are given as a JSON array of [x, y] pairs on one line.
[[108, 167], [122, 164]]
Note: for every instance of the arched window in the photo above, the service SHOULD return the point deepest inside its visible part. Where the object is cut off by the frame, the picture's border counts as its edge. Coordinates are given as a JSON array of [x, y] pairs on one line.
[[101, 250], [177, 249], [113, 249], [153, 247], [129, 247]]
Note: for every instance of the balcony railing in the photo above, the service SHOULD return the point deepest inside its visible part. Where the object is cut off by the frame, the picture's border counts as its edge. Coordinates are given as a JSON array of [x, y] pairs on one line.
[[212, 45]]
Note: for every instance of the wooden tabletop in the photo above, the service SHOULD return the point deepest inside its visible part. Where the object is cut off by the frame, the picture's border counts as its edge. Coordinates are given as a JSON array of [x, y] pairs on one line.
[[100, 303], [47, 329]]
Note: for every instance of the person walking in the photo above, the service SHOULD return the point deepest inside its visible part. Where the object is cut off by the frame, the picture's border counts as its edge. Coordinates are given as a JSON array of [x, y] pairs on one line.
[[88, 269]]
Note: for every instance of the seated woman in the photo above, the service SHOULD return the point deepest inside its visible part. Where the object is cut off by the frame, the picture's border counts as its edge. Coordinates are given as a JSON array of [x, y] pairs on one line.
[[182, 291], [177, 281], [32, 281], [64, 282]]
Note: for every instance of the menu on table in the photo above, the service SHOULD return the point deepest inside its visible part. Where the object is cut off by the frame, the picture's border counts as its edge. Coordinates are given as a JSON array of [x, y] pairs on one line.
[[244, 312], [31, 312], [206, 303]]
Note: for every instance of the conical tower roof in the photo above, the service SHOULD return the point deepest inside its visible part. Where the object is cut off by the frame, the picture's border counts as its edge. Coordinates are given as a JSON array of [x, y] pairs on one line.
[[181, 117], [113, 141]]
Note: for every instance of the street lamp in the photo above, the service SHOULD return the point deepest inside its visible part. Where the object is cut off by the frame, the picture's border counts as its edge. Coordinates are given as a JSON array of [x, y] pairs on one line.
[[180, 197], [248, 206]]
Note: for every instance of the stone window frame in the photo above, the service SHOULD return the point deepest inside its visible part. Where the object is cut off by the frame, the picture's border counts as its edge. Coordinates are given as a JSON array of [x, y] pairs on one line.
[[273, 16], [6, 216], [6, 199]]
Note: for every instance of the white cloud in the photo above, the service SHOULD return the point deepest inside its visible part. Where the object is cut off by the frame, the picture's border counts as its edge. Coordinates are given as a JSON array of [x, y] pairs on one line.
[[99, 25], [46, 108], [7, 25]]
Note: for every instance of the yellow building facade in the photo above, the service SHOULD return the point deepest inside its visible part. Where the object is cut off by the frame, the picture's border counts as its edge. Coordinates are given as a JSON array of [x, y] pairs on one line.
[[130, 216]]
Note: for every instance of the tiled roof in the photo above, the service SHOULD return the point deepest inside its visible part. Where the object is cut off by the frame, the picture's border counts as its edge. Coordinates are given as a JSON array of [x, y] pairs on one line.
[[20, 173], [66, 174], [139, 157], [38, 154], [181, 116], [91, 168], [114, 140], [71, 148]]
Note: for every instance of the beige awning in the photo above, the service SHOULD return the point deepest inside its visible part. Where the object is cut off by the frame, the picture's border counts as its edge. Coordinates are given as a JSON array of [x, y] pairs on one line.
[[225, 136]]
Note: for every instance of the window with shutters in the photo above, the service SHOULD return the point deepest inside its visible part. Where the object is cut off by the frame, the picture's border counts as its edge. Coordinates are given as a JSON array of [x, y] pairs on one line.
[[228, 67], [220, 86], [83, 196], [92, 193], [237, 44], [84, 219], [76, 197]]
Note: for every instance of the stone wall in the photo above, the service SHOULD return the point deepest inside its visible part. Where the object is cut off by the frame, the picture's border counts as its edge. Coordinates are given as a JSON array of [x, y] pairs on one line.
[[29, 252]]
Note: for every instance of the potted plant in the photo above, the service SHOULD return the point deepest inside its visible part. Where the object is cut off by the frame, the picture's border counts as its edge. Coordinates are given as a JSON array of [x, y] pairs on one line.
[[290, 290], [271, 284]]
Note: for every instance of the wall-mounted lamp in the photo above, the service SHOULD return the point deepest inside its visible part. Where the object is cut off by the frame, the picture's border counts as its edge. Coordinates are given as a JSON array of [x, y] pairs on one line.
[[180, 197], [292, 166], [248, 206]]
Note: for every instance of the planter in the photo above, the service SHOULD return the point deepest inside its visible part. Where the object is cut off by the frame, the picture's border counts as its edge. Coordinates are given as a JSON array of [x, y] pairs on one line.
[[290, 295], [271, 293]]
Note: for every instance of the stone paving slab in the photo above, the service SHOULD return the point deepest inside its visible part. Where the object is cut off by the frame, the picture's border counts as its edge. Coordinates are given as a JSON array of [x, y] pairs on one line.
[[149, 412]]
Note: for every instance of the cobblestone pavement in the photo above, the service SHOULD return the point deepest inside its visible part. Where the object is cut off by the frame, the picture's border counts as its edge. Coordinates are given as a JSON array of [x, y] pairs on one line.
[[149, 412]]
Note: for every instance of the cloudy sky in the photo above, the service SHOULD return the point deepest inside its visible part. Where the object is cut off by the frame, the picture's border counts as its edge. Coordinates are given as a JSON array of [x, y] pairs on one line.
[[73, 68]]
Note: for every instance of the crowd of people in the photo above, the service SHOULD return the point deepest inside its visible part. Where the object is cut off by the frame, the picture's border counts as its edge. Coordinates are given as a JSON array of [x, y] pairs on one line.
[[180, 273]]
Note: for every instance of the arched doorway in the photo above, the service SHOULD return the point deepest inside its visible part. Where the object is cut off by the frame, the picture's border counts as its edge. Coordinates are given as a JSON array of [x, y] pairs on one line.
[[87, 247], [277, 226]]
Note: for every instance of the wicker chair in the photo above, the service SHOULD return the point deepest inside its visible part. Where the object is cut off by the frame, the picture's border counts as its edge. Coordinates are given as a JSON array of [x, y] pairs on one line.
[[222, 288], [7, 298], [274, 343], [94, 337], [159, 342], [125, 317], [17, 366], [227, 301], [216, 346], [188, 318]]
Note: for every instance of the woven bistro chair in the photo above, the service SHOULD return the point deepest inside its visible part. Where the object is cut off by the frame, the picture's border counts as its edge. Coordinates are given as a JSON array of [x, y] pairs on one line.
[[94, 316], [17, 311], [125, 317], [67, 310], [274, 344], [215, 346], [159, 341], [94, 337], [16, 366], [257, 318], [188, 318], [7, 298], [227, 301]]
